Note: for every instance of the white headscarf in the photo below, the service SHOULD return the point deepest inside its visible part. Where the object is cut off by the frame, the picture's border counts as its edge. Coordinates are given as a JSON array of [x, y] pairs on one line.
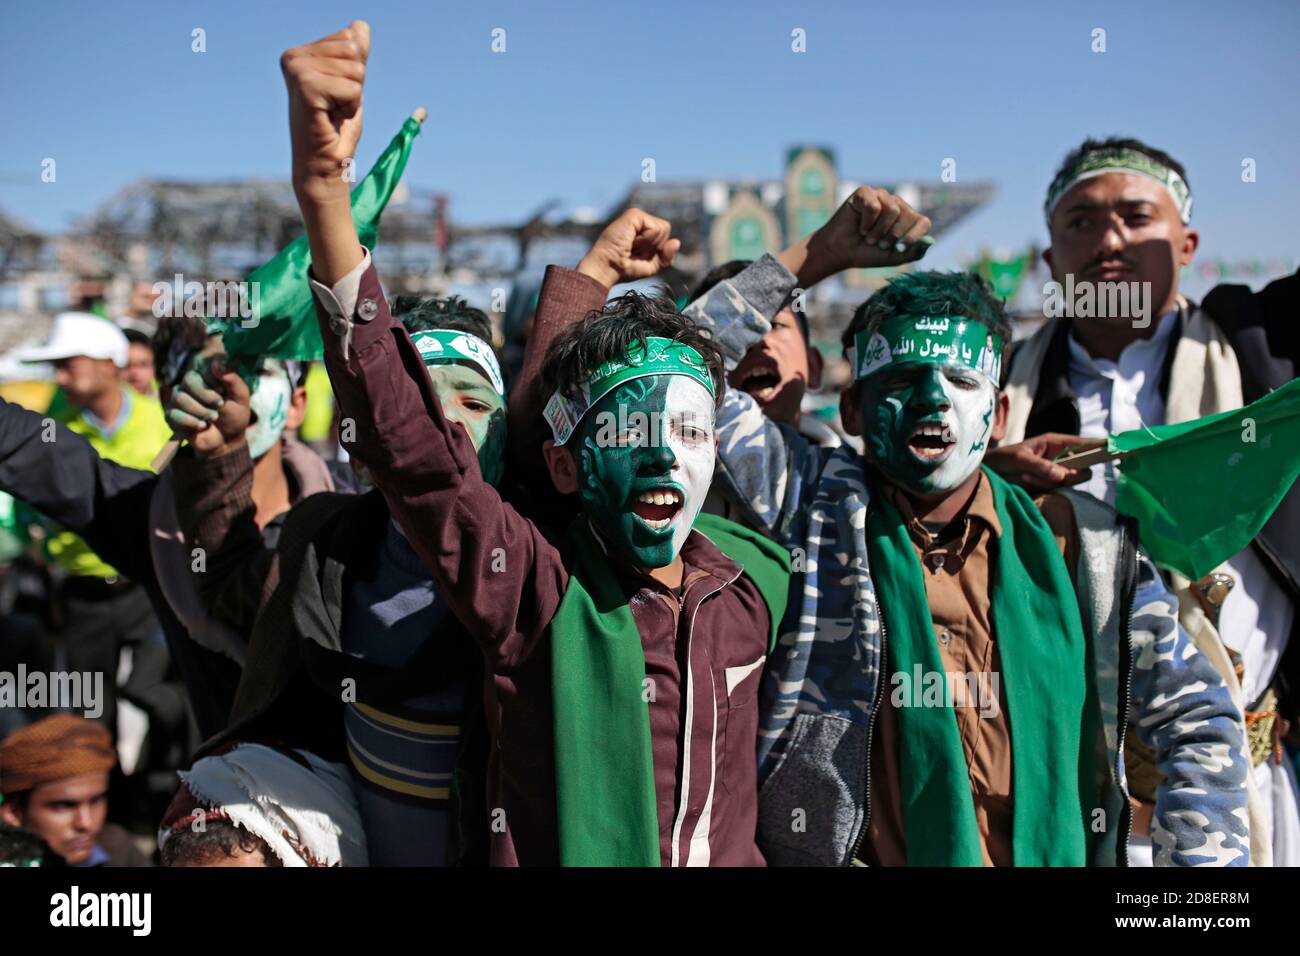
[[308, 817]]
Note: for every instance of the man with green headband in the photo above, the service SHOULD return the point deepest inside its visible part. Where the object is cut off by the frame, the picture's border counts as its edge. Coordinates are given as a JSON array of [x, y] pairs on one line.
[[1118, 213], [624, 653], [952, 683]]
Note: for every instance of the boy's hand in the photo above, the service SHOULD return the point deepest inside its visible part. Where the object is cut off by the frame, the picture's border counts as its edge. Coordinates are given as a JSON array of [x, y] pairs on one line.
[[210, 407], [872, 228], [634, 246], [1029, 463], [325, 81]]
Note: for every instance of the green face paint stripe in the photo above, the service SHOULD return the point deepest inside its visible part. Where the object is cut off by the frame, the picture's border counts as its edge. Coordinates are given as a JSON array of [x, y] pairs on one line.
[[980, 444], [654, 355], [892, 408], [448, 345], [903, 340], [1103, 161]]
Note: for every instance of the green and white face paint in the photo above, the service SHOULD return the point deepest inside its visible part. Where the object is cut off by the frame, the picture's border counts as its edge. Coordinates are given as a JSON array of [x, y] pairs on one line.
[[468, 381], [929, 397], [645, 455], [641, 432], [272, 392]]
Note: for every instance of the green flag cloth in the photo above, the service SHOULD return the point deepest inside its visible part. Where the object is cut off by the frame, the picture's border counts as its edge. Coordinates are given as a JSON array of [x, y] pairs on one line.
[[604, 764], [285, 324], [1004, 275], [1051, 704], [1201, 490]]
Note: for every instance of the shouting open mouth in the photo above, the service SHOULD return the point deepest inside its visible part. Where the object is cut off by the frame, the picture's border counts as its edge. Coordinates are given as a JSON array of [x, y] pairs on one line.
[[761, 380], [658, 506], [931, 442]]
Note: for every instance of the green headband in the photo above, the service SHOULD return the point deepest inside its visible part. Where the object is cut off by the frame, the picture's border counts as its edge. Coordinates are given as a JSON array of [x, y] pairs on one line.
[[928, 340], [448, 345], [1120, 161], [650, 356]]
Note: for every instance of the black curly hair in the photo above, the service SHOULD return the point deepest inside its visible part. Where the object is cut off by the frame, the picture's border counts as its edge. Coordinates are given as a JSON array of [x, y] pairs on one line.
[[933, 293], [610, 332], [218, 838], [454, 313]]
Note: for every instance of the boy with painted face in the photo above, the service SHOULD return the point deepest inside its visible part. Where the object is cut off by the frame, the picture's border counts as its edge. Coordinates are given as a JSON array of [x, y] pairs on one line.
[[624, 653], [409, 728], [961, 656], [277, 401], [635, 439], [927, 418], [270, 404]]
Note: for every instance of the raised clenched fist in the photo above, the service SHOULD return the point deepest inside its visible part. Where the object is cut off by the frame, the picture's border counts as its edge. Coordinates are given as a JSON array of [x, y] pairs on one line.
[[325, 81], [872, 228], [634, 246]]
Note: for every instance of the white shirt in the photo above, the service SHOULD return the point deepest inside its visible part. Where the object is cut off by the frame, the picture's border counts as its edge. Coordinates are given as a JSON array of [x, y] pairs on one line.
[[1256, 617], [1119, 396], [1113, 397]]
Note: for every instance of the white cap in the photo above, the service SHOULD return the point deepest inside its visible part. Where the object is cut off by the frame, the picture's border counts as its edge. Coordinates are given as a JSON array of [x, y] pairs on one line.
[[80, 333]]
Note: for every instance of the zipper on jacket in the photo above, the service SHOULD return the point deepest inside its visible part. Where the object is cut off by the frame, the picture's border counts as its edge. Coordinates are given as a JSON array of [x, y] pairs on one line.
[[1128, 593], [684, 754], [871, 726]]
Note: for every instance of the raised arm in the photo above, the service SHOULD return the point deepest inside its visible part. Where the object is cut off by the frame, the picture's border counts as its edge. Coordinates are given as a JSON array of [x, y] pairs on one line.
[[495, 569], [61, 475]]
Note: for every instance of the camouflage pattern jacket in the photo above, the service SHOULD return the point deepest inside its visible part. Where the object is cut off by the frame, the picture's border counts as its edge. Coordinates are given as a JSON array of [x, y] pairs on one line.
[[823, 686]]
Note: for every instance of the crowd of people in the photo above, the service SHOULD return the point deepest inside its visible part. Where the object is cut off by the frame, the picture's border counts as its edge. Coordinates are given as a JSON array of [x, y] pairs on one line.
[[628, 606]]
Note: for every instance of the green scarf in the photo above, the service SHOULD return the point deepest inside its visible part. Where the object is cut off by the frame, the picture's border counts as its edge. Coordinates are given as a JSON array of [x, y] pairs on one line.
[[604, 766], [1051, 706]]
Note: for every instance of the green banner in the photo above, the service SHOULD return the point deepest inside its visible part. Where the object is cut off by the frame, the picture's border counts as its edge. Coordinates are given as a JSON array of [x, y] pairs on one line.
[[1201, 490]]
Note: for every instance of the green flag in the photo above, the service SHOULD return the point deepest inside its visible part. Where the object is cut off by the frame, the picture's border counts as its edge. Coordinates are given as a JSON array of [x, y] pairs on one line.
[[1004, 275], [284, 324], [1201, 490]]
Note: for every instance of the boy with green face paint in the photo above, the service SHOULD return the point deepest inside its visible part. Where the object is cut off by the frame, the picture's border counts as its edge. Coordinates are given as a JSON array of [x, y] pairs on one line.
[[624, 651], [467, 378], [577, 667], [929, 396], [638, 432], [959, 652]]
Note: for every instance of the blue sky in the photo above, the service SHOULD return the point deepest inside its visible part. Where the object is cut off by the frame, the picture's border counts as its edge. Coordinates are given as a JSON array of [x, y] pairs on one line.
[[585, 90]]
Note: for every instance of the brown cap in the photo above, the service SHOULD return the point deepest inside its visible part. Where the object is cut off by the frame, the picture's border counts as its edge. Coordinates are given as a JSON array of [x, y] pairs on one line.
[[53, 749]]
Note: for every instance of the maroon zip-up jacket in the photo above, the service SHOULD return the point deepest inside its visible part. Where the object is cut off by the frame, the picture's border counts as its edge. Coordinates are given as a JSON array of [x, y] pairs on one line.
[[504, 577]]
